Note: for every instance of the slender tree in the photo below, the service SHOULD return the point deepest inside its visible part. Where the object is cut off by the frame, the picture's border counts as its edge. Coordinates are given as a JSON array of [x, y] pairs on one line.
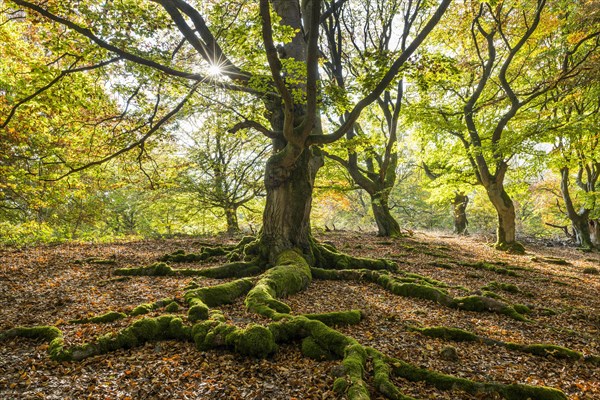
[[504, 85]]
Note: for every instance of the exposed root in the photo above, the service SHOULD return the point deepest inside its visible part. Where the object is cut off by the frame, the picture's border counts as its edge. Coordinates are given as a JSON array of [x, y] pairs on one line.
[[290, 275], [511, 248], [231, 270], [407, 287], [208, 328], [538, 349], [104, 318], [327, 257], [447, 382], [237, 252], [201, 299]]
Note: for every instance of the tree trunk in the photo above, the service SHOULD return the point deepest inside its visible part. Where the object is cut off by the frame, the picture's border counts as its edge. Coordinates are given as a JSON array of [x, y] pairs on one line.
[[580, 220], [595, 231], [286, 219], [387, 226], [506, 232], [581, 225], [232, 220], [460, 213]]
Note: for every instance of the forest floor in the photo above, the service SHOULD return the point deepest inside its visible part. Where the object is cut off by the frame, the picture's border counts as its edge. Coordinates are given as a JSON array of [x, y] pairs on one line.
[[51, 285]]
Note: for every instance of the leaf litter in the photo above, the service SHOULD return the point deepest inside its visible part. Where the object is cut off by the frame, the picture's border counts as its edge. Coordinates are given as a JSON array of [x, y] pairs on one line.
[[54, 284]]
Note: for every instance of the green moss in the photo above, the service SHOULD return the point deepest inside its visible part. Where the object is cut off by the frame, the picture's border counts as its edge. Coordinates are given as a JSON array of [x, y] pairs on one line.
[[204, 254], [255, 341], [172, 307], [34, 332], [141, 309], [104, 318], [354, 364], [482, 265], [546, 350], [333, 260], [482, 303], [230, 270], [511, 248], [312, 349], [421, 292], [351, 317], [442, 332], [290, 275], [522, 308], [217, 295], [447, 382], [441, 265], [157, 269], [197, 311], [506, 287], [382, 381]]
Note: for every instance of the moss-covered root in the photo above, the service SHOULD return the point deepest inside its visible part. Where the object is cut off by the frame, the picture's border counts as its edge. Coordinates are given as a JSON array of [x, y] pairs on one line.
[[156, 269], [149, 307], [448, 382], [204, 254], [51, 334], [381, 377], [340, 318], [408, 287], [201, 299], [538, 349], [290, 275], [328, 258], [99, 319], [230, 270], [254, 341], [234, 252], [165, 327]]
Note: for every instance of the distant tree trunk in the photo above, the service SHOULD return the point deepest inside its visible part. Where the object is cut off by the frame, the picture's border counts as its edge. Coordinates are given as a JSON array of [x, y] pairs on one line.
[[460, 213], [505, 209], [232, 220], [386, 224], [595, 231], [580, 220]]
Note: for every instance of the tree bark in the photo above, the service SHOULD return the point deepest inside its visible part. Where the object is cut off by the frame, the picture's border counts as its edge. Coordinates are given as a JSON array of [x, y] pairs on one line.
[[580, 220], [460, 213], [387, 226], [232, 221], [286, 219], [505, 209]]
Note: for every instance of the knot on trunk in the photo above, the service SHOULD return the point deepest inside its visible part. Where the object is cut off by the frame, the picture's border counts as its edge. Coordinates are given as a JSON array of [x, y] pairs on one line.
[[275, 176]]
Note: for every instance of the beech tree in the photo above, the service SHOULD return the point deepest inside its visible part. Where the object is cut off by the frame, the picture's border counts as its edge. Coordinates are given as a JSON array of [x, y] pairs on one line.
[[574, 121], [223, 170], [161, 54], [371, 145], [501, 85]]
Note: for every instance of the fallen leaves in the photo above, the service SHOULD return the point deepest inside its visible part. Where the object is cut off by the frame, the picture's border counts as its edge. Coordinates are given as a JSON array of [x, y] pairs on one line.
[[46, 285]]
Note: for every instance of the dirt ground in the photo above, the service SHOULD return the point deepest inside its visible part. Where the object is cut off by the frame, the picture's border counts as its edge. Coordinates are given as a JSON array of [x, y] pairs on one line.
[[52, 285]]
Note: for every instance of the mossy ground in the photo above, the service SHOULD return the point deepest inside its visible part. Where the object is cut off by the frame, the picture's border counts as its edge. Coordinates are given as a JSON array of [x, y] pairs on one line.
[[381, 326]]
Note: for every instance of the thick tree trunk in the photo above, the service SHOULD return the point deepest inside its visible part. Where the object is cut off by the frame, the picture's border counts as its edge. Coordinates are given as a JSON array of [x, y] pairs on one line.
[[459, 205], [232, 220], [387, 226], [286, 219], [506, 232]]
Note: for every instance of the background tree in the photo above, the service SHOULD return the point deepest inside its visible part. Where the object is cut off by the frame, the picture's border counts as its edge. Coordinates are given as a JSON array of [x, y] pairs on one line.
[[224, 170], [501, 84]]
